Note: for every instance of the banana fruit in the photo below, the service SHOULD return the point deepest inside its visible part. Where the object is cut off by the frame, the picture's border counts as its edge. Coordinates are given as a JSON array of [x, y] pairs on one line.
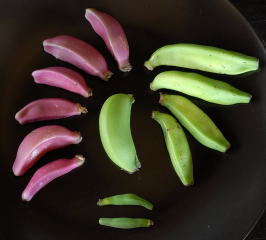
[[48, 109], [177, 146], [126, 223], [64, 78], [125, 199], [195, 121], [113, 34], [78, 53], [41, 141], [204, 58], [50, 172], [115, 132], [199, 86]]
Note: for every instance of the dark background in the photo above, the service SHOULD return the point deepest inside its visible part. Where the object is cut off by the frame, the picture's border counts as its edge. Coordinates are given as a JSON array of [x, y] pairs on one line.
[[255, 12]]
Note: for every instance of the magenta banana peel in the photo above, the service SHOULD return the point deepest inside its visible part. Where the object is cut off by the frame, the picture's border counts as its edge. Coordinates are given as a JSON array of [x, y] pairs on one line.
[[64, 78], [111, 31], [48, 109], [78, 53], [40, 141], [48, 173]]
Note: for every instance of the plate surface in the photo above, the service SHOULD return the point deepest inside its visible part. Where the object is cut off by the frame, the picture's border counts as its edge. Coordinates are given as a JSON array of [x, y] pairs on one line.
[[229, 191]]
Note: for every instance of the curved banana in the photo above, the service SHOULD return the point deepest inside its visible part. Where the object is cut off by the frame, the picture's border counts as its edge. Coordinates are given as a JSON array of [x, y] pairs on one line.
[[41, 141], [195, 121], [199, 86], [48, 173], [64, 78], [79, 53], [111, 31], [125, 199], [177, 146], [115, 133], [205, 58], [48, 109]]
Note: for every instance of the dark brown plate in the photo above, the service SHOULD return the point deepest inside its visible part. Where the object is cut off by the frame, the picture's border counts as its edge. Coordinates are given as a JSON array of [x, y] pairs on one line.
[[229, 191]]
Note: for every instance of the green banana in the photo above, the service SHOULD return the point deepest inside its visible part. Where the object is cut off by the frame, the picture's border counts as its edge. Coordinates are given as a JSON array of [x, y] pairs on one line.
[[177, 146], [199, 86], [115, 133], [205, 58], [195, 121], [126, 223], [125, 199]]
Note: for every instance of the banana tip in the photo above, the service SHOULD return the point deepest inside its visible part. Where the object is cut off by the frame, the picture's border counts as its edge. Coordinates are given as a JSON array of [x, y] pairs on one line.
[[250, 98], [15, 172], [132, 172], [161, 95], [88, 93], [126, 68], [229, 145], [89, 10], [33, 74], [137, 167], [151, 87], [81, 108], [148, 65], [25, 197], [131, 96], [226, 147], [153, 114], [81, 159], [17, 117], [79, 138], [189, 183], [107, 75], [45, 42]]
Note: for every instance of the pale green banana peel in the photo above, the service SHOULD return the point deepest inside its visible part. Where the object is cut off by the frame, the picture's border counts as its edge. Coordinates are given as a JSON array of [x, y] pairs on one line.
[[115, 132], [125, 199], [199, 86], [126, 223], [177, 146], [204, 58], [195, 121]]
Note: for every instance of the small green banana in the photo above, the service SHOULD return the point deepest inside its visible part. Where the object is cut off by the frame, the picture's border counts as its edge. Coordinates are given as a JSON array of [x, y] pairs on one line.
[[126, 223], [195, 121], [177, 146], [199, 86], [205, 58], [115, 133], [125, 199]]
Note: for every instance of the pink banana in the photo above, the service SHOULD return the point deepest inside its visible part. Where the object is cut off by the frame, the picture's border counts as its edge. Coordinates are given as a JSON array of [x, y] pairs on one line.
[[48, 173], [63, 78], [39, 142], [47, 109], [78, 53], [111, 31]]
